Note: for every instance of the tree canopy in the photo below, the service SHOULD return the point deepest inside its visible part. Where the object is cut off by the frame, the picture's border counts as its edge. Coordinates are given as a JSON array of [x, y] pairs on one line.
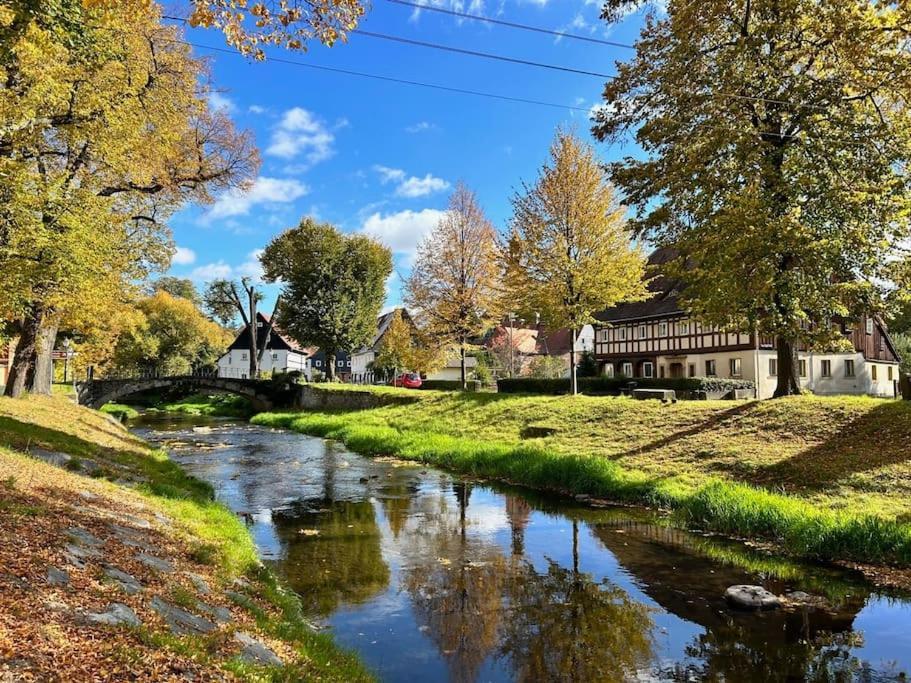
[[454, 286], [569, 253], [776, 137], [333, 286], [102, 136]]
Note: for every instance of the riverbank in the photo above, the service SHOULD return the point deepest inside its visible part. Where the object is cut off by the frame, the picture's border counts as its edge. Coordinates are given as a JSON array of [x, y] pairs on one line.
[[820, 478], [114, 561], [208, 405]]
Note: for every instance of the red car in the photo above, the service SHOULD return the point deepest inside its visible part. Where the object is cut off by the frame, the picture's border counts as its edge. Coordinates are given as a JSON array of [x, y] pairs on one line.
[[409, 380]]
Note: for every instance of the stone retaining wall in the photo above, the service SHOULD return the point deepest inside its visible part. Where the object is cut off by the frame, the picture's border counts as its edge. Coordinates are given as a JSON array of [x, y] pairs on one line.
[[314, 398]]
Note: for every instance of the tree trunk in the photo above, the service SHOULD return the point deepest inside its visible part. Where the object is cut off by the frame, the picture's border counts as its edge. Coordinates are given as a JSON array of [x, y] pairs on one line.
[[573, 380], [23, 358], [42, 377], [254, 333], [788, 369], [330, 366], [463, 374]]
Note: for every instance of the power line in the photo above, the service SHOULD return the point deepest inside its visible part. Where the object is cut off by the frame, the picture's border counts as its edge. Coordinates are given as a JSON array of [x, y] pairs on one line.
[[511, 24], [475, 53], [391, 79]]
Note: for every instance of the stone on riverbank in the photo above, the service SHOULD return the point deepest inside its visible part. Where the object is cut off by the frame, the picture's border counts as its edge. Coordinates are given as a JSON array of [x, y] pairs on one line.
[[751, 597]]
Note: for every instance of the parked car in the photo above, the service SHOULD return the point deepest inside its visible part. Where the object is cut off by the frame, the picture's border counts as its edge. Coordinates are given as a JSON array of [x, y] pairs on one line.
[[409, 380]]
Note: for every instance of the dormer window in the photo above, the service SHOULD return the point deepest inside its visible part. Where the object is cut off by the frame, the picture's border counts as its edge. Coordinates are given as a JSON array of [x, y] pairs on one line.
[[259, 323]]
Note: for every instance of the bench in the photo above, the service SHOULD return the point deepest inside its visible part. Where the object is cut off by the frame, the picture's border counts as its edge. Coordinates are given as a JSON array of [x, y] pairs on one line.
[[663, 395]]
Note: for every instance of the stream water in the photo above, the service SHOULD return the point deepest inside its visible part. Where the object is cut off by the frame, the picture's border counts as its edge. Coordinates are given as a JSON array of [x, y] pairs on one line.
[[431, 577]]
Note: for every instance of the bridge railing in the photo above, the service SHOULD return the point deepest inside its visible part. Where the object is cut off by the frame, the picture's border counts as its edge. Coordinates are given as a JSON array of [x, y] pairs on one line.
[[154, 373]]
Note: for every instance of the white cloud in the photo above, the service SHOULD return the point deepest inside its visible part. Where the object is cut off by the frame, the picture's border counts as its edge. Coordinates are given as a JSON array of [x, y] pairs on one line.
[[212, 271], [183, 256], [419, 187], [219, 102], [402, 231], [420, 127], [388, 175], [256, 109], [299, 132], [265, 190], [412, 186], [220, 270]]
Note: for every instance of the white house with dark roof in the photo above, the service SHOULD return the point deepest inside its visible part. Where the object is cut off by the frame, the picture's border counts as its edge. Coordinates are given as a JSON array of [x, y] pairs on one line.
[[282, 353]]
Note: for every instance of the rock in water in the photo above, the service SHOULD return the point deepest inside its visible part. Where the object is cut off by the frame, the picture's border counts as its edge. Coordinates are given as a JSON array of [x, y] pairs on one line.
[[751, 597]]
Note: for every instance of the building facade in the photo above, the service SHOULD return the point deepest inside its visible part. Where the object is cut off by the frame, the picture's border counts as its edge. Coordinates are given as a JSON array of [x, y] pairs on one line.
[[657, 338], [282, 353]]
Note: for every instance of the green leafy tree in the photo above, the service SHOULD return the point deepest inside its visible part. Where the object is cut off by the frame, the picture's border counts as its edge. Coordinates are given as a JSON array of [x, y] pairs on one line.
[[569, 254], [176, 286], [333, 286], [776, 138]]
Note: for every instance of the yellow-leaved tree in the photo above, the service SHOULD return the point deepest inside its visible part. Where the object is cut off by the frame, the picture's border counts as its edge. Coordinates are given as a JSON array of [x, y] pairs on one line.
[[455, 283], [104, 132], [569, 253], [406, 347]]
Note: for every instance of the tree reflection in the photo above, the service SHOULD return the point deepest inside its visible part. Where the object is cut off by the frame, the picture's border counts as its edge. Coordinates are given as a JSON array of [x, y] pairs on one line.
[[457, 597], [565, 626], [342, 563]]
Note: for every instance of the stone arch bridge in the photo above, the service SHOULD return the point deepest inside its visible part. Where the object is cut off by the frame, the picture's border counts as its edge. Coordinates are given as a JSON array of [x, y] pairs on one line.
[[263, 394]]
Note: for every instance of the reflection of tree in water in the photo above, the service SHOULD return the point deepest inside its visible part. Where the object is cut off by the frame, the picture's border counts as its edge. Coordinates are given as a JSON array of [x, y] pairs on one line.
[[565, 626], [458, 596], [396, 501], [343, 563], [518, 512]]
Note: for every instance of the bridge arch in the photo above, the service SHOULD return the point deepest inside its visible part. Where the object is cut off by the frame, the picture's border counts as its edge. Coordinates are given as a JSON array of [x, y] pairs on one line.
[[263, 394]]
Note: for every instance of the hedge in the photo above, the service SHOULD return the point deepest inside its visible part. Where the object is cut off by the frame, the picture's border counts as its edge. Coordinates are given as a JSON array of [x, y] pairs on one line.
[[611, 386], [450, 385]]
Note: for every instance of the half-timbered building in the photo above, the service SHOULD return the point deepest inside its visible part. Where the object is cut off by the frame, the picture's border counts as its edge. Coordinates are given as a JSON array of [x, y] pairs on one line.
[[657, 338]]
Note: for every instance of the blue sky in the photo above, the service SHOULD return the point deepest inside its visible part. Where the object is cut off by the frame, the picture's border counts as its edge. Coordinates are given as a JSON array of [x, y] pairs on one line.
[[382, 157]]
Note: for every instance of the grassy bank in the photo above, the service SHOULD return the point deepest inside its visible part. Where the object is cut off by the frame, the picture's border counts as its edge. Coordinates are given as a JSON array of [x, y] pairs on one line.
[[222, 405], [171, 511], [824, 478]]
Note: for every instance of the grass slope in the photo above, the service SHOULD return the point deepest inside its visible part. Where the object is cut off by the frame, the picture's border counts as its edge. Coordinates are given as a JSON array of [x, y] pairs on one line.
[[823, 478], [38, 502]]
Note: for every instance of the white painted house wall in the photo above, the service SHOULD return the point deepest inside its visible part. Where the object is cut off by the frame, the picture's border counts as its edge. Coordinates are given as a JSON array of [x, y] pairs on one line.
[[236, 363]]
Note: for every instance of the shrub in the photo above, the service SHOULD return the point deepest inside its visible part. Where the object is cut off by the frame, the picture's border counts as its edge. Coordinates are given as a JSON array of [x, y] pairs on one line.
[[611, 386], [450, 385]]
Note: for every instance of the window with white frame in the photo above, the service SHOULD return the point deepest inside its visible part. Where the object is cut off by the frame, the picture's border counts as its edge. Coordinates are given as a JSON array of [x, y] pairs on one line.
[[608, 369], [826, 368], [643, 331], [891, 376], [648, 369], [243, 356], [773, 367], [710, 368], [627, 370], [662, 329], [274, 356], [621, 334], [873, 373], [736, 366], [318, 363], [869, 325], [802, 368], [683, 327]]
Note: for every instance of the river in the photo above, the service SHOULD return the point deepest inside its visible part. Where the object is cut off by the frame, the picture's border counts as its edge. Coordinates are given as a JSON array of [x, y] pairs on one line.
[[431, 577]]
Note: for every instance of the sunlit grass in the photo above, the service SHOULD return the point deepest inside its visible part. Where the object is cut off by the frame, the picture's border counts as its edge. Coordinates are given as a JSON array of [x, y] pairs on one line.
[[715, 465]]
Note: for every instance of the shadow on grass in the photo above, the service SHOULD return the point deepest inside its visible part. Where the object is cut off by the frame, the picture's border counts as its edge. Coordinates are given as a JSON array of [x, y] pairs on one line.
[[716, 421], [877, 438]]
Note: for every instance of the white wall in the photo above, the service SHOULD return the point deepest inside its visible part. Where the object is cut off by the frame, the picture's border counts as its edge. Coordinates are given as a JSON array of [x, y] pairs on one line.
[[452, 371], [360, 362], [236, 363]]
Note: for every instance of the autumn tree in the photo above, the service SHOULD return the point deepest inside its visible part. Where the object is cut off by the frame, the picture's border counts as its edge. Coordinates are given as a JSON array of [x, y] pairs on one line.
[[177, 286], [332, 286], [406, 347], [224, 302], [777, 137], [171, 336], [455, 282], [104, 132], [568, 254]]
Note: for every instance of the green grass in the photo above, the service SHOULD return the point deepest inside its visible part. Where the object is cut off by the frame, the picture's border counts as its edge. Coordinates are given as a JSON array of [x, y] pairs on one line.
[[805, 474], [225, 405], [120, 411], [216, 536]]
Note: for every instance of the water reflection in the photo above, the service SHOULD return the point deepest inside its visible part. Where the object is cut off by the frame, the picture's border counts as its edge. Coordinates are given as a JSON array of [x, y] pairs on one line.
[[433, 578]]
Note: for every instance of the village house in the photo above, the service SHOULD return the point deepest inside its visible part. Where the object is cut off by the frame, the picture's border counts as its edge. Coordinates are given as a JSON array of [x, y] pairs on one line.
[[318, 365], [6, 361], [282, 353], [514, 345], [657, 338], [362, 371]]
